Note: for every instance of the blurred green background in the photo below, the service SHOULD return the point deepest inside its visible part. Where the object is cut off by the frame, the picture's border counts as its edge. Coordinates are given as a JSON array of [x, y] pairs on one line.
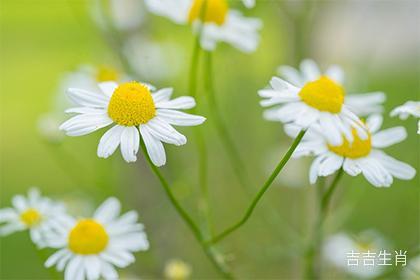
[[377, 44]]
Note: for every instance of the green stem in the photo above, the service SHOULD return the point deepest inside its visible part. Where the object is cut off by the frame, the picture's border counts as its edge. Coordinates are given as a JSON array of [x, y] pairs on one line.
[[312, 269], [187, 219], [222, 131], [261, 192]]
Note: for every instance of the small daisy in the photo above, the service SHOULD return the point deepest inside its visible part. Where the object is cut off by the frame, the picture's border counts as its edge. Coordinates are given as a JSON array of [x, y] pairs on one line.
[[131, 108], [409, 108], [91, 247], [361, 104], [361, 156], [220, 23], [177, 270], [35, 213], [312, 98], [338, 251]]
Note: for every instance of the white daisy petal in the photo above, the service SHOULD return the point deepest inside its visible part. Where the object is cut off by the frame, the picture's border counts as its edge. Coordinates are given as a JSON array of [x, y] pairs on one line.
[[375, 173], [335, 73], [374, 123], [8, 214], [314, 169], [11, 228], [85, 124], [108, 210], [366, 103], [165, 132], [130, 142], [108, 88], [179, 118], [397, 168], [154, 147], [388, 137], [183, 102], [110, 141], [93, 267], [291, 74], [87, 98], [309, 70], [162, 95], [54, 258], [20, 203], [75, 269], [351, 167], [108, 272], [330, 165], [85, 110]]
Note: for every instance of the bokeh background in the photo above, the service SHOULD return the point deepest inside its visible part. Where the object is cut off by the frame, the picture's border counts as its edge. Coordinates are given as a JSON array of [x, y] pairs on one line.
[[376, 42]]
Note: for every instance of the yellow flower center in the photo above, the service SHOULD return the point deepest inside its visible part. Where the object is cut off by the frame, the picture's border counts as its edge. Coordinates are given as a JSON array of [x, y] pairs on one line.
[[88, 238], [215, 11], [105, 74], [30, 217], [358, 148], [323, 94], [131, 104]]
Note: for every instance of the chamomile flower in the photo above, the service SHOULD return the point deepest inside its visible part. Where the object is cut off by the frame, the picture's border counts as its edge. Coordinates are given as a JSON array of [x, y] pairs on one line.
[[320, 100], [220, 23], [362, 104], [409, 108], [89, 248], [366, 246], [177, 270], [361, 156], [34, 213], [134, 111]]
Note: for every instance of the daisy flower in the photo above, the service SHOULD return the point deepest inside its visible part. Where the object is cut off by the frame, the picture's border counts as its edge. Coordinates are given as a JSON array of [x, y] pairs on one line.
[[220, 23], [409, 108], [309, 97], [362, 104], [338, 250], [361, 156], [35, 213], [91, 247], [134, 111]]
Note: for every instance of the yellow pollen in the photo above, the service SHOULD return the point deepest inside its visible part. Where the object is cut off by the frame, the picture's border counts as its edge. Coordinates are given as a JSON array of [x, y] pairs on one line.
[[30, 217], [131, 104], [358, 148], [215, 11], [87, 238], [323, 94], [105, 74]]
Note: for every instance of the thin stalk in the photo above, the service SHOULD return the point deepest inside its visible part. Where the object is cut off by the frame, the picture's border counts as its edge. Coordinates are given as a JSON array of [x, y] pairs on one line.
[[222, 131], [313, 270], [261, 192], [187, 219]]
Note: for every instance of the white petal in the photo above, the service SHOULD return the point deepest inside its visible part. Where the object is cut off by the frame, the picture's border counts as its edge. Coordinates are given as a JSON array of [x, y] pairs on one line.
[[75, 269], [374, 123], [115, 259], [109, 141], [388, 137], [314, 169], [397, 168], [330, 165], [85, 110], [183, 102], [108, 272], [130, 142], [286, 113], [20, 203], [331, 131], [92, 267], [61, 264], [87, 98], [165, 132], [375, 173], [180, 118], [291, 74], [335, 73], [8, 214], [108, 210], [54, 258], [310, 70], [10, 228], [162, 95], [365, 104], [351, 167], [108, 88], [154, 147], [85, 124]]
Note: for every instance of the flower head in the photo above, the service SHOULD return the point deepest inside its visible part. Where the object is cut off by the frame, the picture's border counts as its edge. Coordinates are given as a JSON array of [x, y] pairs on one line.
[[311, 97], [410, 108], [89, 248], [34, 213], [339, 247], [220, 24], [360, 156], [134, 111]]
